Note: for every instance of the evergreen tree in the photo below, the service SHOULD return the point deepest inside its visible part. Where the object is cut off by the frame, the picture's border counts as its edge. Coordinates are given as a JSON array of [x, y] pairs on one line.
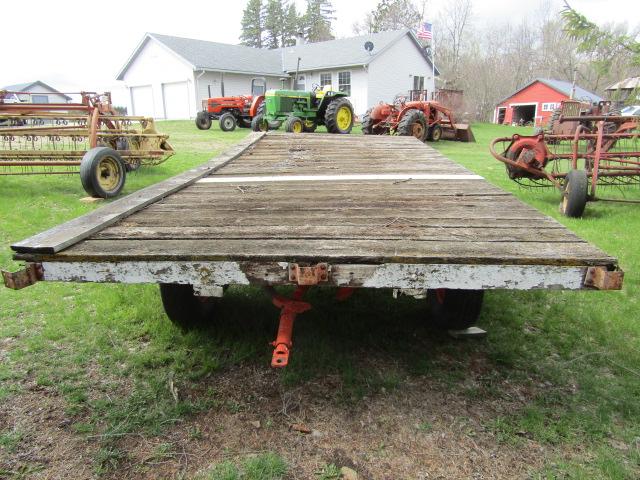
[[274, 23], [292, 26], [394, 15], [252, 24], [317, 20]]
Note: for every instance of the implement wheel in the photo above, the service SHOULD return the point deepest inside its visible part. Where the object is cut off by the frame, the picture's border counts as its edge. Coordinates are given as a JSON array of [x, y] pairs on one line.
[[434, 133], [310, 126], [339, 116], [203, 122], [227, 122], [184, 308], [575, 194], [413, 123], [294, 125], [102, 172], [454, 309]]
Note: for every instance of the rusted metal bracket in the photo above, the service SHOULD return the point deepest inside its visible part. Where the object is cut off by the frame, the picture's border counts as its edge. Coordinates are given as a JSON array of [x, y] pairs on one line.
[[311, 275], [290, 308], [26, 277], [603, 279]]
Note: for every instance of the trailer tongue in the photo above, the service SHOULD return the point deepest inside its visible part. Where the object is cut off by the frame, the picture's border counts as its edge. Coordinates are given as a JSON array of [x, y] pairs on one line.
[[319, 210]]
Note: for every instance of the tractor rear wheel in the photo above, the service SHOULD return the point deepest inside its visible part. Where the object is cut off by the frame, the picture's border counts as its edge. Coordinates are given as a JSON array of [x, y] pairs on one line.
[[184, 308], [435, 133], [339, 116], [575, 193], [203, 122], [259, 124], [367, 123], [102, 172], [454, 309], [294, 125], [227, 122], [413, 123]]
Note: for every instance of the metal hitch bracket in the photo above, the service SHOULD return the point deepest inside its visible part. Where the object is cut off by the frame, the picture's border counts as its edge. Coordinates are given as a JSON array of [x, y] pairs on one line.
[[311, 275], [26, 277]]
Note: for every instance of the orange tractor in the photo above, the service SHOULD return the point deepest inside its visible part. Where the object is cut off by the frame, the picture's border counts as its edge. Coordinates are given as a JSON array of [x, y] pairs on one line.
[[425, 120]]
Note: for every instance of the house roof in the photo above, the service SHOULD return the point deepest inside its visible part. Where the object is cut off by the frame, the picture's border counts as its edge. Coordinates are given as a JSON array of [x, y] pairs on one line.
[[24, 87], [559, 86], [626, 84], [204, 55]]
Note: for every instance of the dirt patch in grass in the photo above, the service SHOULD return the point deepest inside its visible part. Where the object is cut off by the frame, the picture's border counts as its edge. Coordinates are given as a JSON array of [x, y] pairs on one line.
[[419, 430], [43, 444]]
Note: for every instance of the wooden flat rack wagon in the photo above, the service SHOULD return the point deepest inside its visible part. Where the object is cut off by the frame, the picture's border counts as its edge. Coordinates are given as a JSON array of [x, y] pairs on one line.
[[316, 209]]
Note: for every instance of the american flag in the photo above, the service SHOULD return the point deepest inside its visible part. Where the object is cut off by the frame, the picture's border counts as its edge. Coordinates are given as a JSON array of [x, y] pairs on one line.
[[425, 31]]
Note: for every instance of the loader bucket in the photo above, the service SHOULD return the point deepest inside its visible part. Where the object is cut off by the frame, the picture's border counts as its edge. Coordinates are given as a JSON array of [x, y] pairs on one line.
[[464, 132]]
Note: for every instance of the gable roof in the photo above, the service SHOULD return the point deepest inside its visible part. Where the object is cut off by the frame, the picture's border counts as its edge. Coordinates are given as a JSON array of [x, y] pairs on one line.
[[344, 52], [626, 84], [204, 55], [562, 87], [24, 87]]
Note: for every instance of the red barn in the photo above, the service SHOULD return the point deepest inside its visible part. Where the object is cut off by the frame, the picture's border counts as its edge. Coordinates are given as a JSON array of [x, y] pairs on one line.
[[536, 101]]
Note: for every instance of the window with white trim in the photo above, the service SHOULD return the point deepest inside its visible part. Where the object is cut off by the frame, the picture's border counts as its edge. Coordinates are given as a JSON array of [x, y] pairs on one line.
[[550, 107], [344, 82], [325, 79], [418, 82]]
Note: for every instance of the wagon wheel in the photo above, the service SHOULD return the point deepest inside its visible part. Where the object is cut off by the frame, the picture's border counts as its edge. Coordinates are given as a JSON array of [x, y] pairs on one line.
[[102, 172], [574, 194], [184, 308], [413, 123], [454, 309]]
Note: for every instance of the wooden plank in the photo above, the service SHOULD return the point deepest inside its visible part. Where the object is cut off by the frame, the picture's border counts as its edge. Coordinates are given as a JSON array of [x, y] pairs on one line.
[[391, 232], [69, 233], [353, 251], [336, 178]]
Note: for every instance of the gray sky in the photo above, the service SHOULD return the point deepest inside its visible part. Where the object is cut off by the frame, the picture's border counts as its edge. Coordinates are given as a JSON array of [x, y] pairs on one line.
[[57, 43]]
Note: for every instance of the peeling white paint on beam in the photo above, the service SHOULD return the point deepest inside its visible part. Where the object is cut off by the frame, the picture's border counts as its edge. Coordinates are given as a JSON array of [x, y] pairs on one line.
[[391, 275], [194, 273], [337, 178]]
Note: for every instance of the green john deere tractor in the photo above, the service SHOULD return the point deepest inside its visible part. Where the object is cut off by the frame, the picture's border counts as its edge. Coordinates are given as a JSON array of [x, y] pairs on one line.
[[302, 111]]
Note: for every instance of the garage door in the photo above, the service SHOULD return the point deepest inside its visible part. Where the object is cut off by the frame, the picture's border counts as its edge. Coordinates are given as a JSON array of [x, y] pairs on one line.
[[142, 101], [176, 100]]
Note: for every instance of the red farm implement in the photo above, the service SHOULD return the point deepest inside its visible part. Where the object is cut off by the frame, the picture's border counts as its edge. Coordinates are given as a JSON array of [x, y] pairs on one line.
[[415, 115], [88, 137], [584, 149]]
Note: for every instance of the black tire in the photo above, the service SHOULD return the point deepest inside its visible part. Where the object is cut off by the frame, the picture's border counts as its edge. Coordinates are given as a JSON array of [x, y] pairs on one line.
[[203, 121], [294, 125], [184, 308], [331, 115], [227, 122], [367, 123], [310, 126], [575, 194], [244, 122], [454, 309], [102, 172], [434, 133], [259, 124], [413, 123]]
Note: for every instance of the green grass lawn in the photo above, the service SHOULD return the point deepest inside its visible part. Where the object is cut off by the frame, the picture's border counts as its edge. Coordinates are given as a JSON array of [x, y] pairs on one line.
[[90, 365]]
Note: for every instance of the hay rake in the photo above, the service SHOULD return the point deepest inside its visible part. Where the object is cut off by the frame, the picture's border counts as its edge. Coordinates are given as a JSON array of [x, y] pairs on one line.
[[600, 150], [89, 138]]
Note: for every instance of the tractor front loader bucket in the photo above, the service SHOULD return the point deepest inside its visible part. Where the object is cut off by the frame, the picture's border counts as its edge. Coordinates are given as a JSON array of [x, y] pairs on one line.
[[463, 132]]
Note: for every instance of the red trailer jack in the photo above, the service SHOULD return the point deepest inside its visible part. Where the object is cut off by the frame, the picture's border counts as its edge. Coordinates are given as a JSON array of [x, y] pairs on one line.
[[289, 309]]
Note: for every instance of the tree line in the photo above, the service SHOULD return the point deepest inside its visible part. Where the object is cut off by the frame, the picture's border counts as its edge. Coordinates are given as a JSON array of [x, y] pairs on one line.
[[277, 23]]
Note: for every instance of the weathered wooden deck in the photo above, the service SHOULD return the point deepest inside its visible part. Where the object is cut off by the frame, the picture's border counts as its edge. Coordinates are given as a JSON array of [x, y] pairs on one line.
[[350, 199]]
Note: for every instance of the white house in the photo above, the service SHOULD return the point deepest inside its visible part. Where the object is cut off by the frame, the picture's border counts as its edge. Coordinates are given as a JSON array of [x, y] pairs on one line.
[[37, 92], [168, 77]]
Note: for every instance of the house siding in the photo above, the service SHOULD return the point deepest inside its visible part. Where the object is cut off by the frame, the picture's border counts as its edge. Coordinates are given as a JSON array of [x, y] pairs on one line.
[[234, 84], [392, 71], [359, 84], [54, 97], [538, 93], [155, 66]]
